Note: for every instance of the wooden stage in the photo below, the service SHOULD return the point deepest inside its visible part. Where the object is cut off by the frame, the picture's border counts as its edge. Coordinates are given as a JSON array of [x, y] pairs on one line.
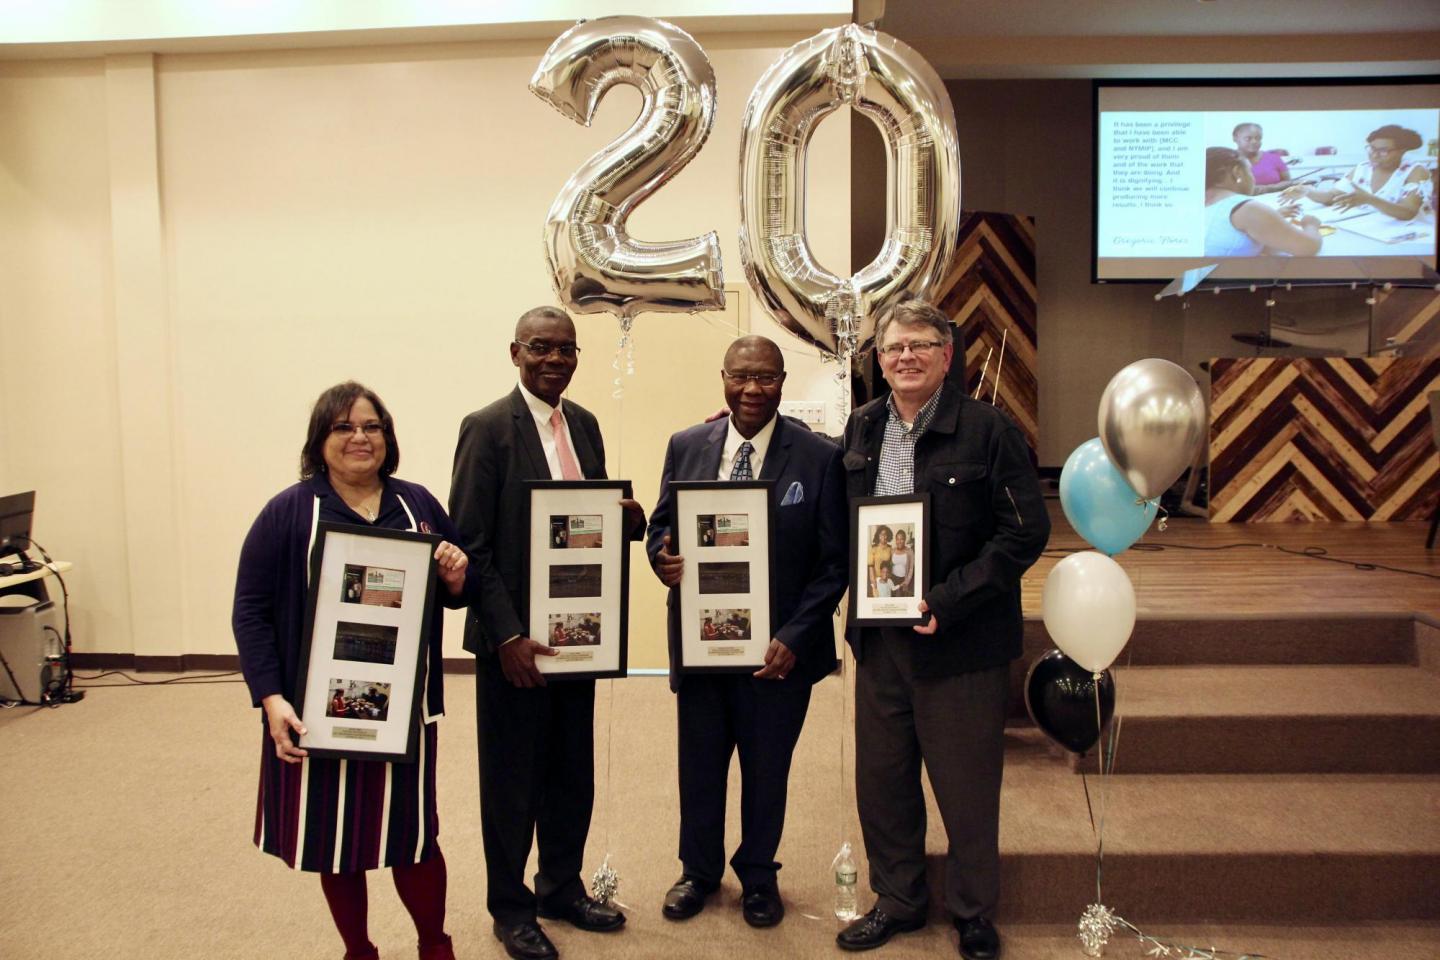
[[1189, 577]]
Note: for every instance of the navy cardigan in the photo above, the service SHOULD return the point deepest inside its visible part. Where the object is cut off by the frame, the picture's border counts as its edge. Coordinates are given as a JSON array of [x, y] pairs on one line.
[[271, 587]]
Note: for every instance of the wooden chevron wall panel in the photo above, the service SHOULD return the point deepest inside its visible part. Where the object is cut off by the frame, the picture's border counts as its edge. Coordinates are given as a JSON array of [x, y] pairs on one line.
[[989, 290], [1322, 439]]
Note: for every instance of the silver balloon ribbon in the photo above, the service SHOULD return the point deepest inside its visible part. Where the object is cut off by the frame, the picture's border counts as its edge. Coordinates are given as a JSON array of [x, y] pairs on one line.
[[1097, 923], [605, 883], [624, 348]]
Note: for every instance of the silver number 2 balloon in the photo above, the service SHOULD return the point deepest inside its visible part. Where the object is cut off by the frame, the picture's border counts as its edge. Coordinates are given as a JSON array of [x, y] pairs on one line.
[[894, 86], [595, 264]]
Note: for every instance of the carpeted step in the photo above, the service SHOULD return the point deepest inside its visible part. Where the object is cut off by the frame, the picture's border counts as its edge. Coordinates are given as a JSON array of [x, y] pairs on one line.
[[1275, 848], [1270, 719], [1272, 639], [1290, 639]]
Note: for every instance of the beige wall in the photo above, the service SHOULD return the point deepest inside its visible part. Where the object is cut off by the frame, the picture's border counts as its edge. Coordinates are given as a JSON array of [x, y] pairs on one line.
[[61, 422], [371, 213]]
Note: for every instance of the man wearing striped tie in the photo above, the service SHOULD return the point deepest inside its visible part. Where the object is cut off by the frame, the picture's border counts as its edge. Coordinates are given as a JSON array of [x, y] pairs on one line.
[[536, 741], [758, 715]]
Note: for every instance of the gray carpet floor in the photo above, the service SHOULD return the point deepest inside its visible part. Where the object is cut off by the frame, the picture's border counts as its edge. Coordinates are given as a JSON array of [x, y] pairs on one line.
[[127, 821]]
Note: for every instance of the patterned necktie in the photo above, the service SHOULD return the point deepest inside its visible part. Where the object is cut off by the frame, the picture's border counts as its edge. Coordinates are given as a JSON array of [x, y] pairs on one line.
[[741, 470], [569, 469]]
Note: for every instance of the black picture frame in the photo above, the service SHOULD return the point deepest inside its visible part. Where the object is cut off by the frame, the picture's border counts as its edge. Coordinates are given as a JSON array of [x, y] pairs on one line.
[[762, 492], [861, 612], [411, 628], [615, 550]]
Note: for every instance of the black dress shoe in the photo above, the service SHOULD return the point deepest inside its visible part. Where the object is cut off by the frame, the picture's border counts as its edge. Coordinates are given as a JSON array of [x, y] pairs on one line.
[[873, 930], [979, 940], [686, 898], [525, 941], [762, 905], [586, 914]]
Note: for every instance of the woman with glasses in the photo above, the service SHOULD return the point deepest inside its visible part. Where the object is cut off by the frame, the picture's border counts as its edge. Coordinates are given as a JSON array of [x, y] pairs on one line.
[[341, 818], [1385, 180]]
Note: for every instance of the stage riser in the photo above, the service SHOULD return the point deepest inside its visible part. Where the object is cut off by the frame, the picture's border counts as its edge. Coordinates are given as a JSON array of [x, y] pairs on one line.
[[1154, 890], [1269, 744]]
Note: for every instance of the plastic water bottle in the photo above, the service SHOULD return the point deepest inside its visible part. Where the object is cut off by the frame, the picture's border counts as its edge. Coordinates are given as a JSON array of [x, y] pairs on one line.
[[845, 876]]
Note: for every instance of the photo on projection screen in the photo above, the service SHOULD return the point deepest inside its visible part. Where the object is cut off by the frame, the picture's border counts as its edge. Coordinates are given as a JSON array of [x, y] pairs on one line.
[[1170, 188]]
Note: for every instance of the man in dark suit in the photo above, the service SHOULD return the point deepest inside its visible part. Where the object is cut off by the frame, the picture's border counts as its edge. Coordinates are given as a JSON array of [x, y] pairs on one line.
[[760, 714], [937, 692], [536, 740]]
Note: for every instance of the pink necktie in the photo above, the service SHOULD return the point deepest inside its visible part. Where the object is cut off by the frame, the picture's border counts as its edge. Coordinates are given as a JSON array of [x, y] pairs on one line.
[[569, 469]]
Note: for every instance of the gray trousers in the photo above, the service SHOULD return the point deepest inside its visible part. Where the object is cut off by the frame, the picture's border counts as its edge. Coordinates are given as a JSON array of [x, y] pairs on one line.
[[956, 725]]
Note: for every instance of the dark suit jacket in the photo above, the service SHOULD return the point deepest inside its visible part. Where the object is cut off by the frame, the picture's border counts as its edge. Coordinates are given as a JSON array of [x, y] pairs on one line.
[[987, 526], [808, 573], [499, 449]]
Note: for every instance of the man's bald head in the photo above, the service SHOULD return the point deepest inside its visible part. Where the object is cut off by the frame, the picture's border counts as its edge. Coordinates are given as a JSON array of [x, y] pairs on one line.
[[756, 347]]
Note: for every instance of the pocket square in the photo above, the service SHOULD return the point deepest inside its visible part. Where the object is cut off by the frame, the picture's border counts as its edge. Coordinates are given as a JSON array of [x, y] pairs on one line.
[[795, 494]]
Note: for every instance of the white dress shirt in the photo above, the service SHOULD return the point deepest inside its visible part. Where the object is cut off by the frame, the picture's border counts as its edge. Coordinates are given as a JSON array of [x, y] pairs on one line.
[[541, 411], [761, 443]]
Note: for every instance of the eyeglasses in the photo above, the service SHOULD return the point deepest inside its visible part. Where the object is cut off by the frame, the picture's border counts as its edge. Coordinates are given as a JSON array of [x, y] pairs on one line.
[[760, 379], [543, 348], [920, 348], [371, 428]]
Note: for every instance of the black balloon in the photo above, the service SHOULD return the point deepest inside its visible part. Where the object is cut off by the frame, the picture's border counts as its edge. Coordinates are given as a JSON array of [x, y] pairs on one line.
[[1060, 695]]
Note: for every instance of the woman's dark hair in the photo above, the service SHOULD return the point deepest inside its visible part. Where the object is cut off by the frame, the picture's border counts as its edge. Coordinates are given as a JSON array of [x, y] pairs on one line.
[[332, 407], [1243, 126], [875, 540], [1219, 161], [1403, 137]]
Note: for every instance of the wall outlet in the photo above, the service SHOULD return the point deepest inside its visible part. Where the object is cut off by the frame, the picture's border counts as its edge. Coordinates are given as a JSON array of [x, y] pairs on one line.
[[806, 411]]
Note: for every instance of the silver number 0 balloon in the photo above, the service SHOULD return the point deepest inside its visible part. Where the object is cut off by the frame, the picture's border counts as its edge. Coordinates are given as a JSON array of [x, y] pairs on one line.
[[893, 85], [595, 264]]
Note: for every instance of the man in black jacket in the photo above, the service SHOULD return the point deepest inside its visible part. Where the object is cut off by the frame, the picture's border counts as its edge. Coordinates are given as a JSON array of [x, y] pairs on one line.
[[536, 740], [937, 692]]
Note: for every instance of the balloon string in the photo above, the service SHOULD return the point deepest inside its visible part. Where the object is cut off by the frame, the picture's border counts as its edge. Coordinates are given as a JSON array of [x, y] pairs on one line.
[[1100, 787]]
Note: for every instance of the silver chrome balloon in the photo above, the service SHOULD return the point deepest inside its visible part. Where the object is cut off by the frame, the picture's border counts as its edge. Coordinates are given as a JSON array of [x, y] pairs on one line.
[[595, 264], [1152, 421], [895, 87]]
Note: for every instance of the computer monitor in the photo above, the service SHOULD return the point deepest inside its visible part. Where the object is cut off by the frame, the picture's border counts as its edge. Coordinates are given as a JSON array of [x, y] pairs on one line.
[[16, 512]]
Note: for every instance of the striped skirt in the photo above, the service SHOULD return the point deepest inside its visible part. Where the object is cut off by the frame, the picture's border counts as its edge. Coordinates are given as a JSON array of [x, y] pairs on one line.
[[341, 816]]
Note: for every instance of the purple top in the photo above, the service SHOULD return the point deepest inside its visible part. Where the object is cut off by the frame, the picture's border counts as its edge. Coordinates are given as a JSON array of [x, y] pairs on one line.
[[271, 585], [1269, 168]]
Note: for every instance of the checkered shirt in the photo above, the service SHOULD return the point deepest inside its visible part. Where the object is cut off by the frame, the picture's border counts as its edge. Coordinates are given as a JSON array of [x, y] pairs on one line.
[[897, 450]]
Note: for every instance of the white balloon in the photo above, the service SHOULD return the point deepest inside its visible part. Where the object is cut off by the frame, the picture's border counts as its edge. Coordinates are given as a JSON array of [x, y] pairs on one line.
[[1089, 608]]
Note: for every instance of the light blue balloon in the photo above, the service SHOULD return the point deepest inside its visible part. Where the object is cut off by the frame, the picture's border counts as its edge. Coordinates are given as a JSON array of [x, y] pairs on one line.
[[1099, 504]]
